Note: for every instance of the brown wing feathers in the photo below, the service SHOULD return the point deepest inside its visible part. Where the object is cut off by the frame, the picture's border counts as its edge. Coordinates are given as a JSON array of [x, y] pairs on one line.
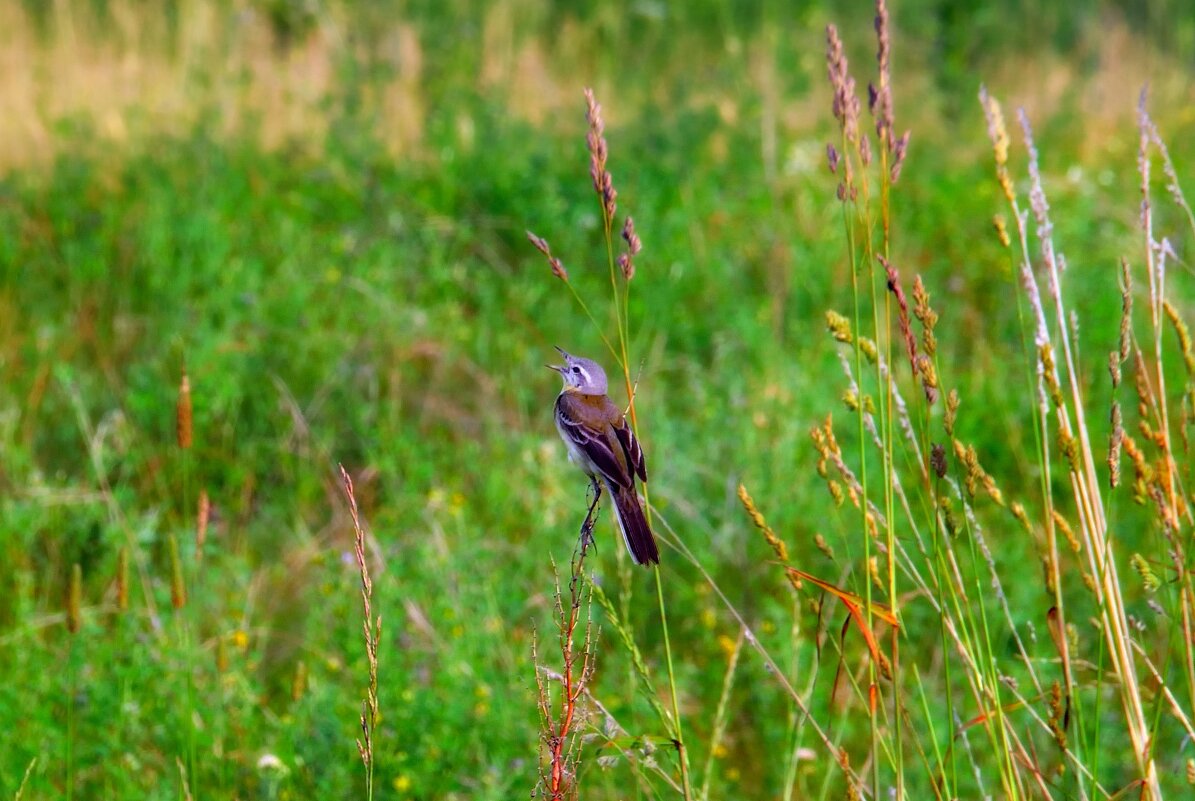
[[597, 426]]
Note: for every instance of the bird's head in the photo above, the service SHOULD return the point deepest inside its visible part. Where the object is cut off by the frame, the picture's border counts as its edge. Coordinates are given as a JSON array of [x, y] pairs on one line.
[[581, 374]]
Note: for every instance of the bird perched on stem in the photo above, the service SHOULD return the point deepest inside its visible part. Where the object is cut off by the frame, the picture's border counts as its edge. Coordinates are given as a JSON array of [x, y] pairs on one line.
[[601, 442]]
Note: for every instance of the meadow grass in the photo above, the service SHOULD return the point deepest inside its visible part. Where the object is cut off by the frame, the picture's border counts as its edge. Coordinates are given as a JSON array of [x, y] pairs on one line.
[[366, 296]]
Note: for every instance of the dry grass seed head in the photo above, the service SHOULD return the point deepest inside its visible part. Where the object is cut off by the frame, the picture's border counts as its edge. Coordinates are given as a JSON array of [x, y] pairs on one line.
[[952, 404], [202, 518], [926, 316], [1001, 230], [541, 245], [1018, 511], [1142, 568], [937, 460], [1126, 310], [839, 327], [1115, 444], [1068, 532], [595, 139], [1183, 334], [902, 303], [183, 412], [998, 134]]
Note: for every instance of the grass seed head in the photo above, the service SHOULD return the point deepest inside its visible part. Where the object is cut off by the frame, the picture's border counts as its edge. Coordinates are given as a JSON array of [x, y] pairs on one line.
[[202, 518], [926, 316], [937, 460], [1149, 579], [183, 412], [952, 404], [541, 245], [998, 134]]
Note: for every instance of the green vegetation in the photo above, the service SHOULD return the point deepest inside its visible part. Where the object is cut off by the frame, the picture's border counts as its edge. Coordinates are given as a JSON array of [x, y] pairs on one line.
[[319, 214]]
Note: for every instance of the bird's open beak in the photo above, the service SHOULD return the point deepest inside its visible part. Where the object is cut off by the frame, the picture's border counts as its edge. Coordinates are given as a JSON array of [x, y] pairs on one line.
[[560, 370]]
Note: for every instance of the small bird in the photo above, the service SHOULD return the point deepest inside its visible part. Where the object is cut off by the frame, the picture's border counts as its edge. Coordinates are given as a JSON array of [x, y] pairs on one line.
[[602, 444]]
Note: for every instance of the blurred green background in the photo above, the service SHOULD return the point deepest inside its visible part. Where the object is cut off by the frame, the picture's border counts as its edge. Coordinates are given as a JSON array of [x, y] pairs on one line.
[[318, 208]]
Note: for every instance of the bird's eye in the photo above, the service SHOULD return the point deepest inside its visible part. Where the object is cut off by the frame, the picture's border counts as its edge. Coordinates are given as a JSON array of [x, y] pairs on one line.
[[576, 369]]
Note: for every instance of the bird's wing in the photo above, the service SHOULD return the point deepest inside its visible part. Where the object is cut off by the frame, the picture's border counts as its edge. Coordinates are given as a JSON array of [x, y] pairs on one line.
[[592, 437], [634, 452]]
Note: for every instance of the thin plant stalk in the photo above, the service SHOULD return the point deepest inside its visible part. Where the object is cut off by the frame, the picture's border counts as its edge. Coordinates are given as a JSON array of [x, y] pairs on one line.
[[372, 629]]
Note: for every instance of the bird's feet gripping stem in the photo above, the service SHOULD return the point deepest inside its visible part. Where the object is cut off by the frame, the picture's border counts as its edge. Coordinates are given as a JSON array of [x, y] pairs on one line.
[[591, 516]]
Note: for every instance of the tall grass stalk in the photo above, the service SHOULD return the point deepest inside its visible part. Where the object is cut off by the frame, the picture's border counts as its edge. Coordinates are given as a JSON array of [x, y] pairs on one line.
[[372, 629], [184, 437]]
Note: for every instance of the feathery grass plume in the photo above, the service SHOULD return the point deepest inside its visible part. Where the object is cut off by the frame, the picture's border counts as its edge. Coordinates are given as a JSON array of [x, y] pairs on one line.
[[122, 578], [202, 517], [845, 106], [1172, 185], [1190, 771], [74, 600], [880, 99], [178, 585], [998, 134], [372, 629], [777, 545], [183, 412], [603, 182], [554, 263]]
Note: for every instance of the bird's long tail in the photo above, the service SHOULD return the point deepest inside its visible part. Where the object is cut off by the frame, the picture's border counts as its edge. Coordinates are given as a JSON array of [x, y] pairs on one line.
[[633, 524]]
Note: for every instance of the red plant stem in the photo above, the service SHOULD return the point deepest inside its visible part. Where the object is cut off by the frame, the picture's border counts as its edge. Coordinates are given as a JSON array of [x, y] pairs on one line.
[[568, 702]]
